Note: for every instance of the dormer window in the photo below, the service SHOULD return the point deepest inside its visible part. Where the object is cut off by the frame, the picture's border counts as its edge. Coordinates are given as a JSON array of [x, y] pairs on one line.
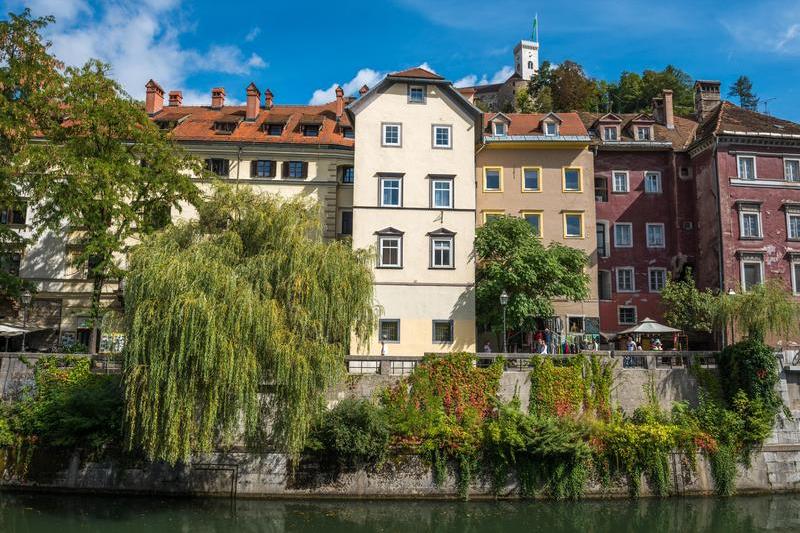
[[273, 129], [610, 133], [348, 133], [416, 94], [500, 128], [644, 133], [310, 130], [224, 127], [166, 125], [550, 128]]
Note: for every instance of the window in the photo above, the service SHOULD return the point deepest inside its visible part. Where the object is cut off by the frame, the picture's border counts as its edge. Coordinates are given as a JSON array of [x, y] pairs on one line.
[[9, 263], [572, 180], [391, 189], [643, 133], [220, 167], [442, 252], [416, 94], [273, 129], [389, 330], [750, 221], [573, 225], [652, 182], [294, 169], [310, 130], [620, 182], [530, 65], [550, 129], [534, 218], [442, 136], [391, 135], [623, 235], [600, 189], [625, 279], [262, 169], [531, 179], [657, 278], [575, 324], [390, 251], [796, 275], [610, 133], [493, 179], [626, 315], [348, 133], [442, 193], [793, 224], [14, 215], [348, 175], [347, 223], [488, 215], [604, 284], [752, 270], [791, 169], [225, 127], [655, 235], [747, 166], [443, 331], [499, 128], [602, 239]]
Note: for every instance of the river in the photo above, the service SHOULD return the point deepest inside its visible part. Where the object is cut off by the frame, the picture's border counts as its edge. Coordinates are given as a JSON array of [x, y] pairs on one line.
[[47, 513]]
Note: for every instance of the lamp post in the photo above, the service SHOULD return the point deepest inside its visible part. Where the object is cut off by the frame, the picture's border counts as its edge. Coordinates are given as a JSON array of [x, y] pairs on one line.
[[26, 302], [504, 303], [731, 294]]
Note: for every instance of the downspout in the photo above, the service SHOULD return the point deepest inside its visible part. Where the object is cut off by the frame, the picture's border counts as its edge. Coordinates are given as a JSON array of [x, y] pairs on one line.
[[676, 214], [238, 165], [721, 262]]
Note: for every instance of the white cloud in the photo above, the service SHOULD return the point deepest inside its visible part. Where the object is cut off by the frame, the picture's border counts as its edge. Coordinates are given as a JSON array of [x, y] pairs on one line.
[[770, 27], [141, 40], [252, 34], [502, 75], [365, 76], [427, 67], [471, 80]]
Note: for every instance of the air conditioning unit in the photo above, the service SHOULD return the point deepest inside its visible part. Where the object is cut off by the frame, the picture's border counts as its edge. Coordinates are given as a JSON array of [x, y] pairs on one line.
[[688, 225]]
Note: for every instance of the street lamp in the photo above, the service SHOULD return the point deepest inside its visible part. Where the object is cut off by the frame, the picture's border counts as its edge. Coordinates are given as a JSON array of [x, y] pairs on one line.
[[504, 303], [26, 302], [731, 294]]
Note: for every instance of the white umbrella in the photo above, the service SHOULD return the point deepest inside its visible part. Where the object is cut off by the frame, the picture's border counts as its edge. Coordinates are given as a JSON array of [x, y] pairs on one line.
[[648, 326]]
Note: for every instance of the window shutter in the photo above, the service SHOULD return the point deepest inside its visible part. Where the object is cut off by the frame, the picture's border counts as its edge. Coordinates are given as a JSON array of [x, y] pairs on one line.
[[253, 168], [272, 165], [285, 171], [305, 169]]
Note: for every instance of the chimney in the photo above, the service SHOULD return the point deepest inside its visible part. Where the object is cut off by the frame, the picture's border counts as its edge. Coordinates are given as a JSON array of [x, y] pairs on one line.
[[217, 97], [658, 110], [706, 97], [363, 90], [154, 101], [253, 102], [268, 99], [339, 102], [669, 117], [175, 98]]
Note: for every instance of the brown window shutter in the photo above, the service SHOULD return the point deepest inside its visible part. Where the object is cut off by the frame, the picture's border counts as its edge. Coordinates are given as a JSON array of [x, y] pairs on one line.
[[272, 165], [285, 171], [253, 168], [305, 169]]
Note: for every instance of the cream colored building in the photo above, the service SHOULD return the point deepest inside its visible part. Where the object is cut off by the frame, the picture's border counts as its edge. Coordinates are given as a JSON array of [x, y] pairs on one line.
[[414, 204], [540, 167]]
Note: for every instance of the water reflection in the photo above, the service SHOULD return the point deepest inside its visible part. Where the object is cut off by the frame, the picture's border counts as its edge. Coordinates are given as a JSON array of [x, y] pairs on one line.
[[38, 513]]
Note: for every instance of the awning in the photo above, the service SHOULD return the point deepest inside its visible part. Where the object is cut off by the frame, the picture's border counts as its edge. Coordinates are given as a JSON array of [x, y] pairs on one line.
[[649, 326], [8, 330]]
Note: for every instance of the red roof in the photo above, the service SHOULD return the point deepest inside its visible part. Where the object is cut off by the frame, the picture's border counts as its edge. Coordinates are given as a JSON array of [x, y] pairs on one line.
[[416, 72], [199, 124], [531, 123]]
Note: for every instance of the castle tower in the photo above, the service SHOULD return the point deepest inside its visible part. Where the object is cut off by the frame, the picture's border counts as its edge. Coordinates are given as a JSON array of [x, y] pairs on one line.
[[526, 59]]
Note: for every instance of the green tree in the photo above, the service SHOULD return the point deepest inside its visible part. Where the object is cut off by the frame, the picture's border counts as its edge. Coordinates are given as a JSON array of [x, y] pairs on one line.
[[539, 89], [571, 89], [768, 309], [239, 322], [108, 174], [511, 258], [743, 90], [634, 92], [29, 85], [686, 307], [626, 94]]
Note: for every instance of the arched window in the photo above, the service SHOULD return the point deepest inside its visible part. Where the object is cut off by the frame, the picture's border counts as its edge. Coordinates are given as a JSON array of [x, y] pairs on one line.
[[530, 65]]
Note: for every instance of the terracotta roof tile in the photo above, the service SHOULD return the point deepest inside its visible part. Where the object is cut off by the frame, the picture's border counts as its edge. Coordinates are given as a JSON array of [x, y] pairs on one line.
[[680, 137], [416, 72], [530, 123], [734, 118]]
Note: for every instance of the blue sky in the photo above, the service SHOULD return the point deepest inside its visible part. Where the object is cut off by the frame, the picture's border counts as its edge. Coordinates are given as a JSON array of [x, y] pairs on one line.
[[302, 49]]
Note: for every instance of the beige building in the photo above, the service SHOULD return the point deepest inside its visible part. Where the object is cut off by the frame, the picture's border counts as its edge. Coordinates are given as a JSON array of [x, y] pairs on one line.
[[414, 204], [540, 167]]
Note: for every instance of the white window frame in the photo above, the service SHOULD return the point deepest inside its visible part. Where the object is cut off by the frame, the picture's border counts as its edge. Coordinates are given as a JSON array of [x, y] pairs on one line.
[[657, 175], [791, 213], [633, 278], [609, 128], [449, 182], [663, 234], [650, 279], [399, 181], [649, 131], [616, 243], [446, 127], [635, 315], [795, 160], [795, 261], [751, 260], [451, 241], [498, 124], [739, 157], [547, 125], [614, 188], [384, 128], [606, 240], [745, 210], [411, 89], [399, 239]]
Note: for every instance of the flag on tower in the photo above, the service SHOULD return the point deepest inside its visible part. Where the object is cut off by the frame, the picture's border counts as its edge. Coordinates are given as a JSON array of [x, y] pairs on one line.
[[535, 33]]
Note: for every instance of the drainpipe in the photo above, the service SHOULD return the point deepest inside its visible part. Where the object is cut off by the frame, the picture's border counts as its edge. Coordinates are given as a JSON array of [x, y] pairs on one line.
[[238, 165], [721, 261]]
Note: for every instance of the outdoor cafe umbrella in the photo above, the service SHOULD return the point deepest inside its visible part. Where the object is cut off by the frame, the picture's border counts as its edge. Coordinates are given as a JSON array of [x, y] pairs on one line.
[[8, 331], [648, 326]]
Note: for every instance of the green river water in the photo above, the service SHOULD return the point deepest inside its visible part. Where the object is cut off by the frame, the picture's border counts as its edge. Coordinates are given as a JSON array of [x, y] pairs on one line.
[[40, 513]]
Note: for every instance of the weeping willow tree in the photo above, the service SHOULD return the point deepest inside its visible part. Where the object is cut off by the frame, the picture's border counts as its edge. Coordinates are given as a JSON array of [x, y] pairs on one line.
[[239, 322], [764, 310]]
